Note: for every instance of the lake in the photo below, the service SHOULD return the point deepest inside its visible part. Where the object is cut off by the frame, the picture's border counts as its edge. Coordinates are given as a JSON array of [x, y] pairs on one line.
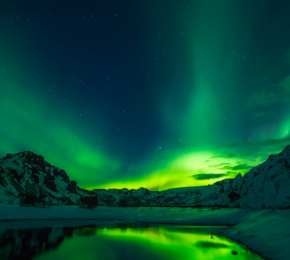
[[119, 241]]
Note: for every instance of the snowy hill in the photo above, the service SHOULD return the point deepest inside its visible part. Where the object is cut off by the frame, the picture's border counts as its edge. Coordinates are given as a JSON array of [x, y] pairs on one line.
[[184, 189], [26, 178], [264, 186]]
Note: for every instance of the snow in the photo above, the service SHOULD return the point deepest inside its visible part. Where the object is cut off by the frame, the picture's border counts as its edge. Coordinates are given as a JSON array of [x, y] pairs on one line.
[[268, 233], [185, 189], [252, 204], [265, 231], [25, 171], [263, 187]]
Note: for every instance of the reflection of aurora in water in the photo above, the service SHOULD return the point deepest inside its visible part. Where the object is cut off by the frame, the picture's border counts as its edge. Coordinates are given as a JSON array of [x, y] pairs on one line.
[[121, 241]]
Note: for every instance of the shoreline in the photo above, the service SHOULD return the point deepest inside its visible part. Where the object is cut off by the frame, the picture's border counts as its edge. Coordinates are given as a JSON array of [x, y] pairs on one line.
[[264, 232], [248, 248]]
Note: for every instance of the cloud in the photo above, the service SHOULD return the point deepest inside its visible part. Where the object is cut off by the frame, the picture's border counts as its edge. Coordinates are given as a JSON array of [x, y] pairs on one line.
[[270, 145], [251, 149], [249, 154], [242, 166], [281, 94], [224, 164], [208, 176], [266, 98]]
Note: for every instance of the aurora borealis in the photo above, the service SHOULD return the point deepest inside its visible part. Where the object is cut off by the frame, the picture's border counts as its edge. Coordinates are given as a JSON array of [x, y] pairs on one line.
[[154, 94]]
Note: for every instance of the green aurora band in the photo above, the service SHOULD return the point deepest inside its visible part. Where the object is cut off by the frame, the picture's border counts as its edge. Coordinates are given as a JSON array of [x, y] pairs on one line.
[[218, 129]]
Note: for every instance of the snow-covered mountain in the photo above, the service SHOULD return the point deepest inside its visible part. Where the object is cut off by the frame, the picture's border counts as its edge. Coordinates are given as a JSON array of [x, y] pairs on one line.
[[26, 178], [265, 186]]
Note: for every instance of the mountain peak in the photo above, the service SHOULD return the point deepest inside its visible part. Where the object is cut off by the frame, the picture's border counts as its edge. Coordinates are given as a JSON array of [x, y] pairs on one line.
[[286, 149], [28, 174], [264, 186]]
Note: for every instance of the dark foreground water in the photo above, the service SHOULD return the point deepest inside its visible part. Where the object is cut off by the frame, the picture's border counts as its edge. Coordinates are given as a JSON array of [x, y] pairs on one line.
[[120, 241]]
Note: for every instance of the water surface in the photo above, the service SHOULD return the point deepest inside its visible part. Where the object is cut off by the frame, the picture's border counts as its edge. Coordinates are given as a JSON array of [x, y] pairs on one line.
[[120, 241]]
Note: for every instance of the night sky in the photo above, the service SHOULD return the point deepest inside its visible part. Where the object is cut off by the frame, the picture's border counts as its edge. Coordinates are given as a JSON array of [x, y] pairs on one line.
[[154, 94]]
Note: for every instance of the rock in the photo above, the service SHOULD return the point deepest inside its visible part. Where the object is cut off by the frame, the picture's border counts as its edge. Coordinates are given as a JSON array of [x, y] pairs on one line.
[[49, 182], [123, 201], [34, 159], [234, 252], [62, 173], [2, 180], [34, 195], [89, 202], [8, 156], [233, 196], [27, 179], [72, 187]]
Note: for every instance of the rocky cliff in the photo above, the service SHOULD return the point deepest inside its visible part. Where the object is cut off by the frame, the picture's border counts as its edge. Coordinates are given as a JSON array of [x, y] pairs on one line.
[[26, 178]]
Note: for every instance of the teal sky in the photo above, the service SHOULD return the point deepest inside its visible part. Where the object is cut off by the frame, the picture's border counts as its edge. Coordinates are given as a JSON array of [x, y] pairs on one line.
[[154, 94]]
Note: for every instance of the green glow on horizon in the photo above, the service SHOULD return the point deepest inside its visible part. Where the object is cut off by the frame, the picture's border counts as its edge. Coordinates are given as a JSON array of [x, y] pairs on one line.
[[180, 172], [57, 140]]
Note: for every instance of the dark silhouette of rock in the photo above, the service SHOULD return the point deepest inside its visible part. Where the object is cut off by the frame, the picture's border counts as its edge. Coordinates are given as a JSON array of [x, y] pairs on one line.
[[49, 182], [34, 159], [8, 156], [123, 202], [89, 202], [26, 178], [62, 173], [2, 180], [72, 187], [33, 195], [233, 196]]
